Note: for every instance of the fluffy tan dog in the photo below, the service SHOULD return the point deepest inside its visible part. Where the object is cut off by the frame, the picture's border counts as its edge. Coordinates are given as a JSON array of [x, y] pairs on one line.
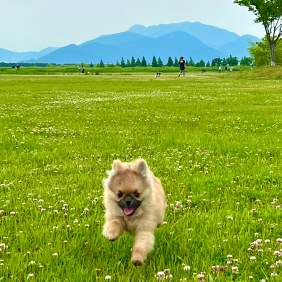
[[135, 202]]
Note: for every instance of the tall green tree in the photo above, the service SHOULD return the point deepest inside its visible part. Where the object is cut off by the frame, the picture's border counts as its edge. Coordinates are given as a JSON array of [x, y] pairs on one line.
[[144, 62], [169, 62], [122, 63], [269, 14], [117, 64], [176, 62], [246, 61], [133, 63], [101, 65], [138, 62], [160, 62], [154, 62], [208, 64], [127, 63], [232, 61], [200, 64], [216, 62], [260, 53], [191, 62]]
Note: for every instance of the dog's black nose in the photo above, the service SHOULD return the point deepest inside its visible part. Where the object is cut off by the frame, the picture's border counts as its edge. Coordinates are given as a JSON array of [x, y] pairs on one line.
[[128, 201]]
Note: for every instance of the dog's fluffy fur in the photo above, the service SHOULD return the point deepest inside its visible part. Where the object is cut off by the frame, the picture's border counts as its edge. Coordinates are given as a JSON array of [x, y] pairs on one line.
[[135, 202]]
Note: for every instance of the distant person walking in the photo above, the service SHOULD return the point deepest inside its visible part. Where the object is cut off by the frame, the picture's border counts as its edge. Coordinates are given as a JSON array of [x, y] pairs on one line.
[[78, 68], [182, 66], [231, 68], [83, 69], [219, 69], [226, 69]]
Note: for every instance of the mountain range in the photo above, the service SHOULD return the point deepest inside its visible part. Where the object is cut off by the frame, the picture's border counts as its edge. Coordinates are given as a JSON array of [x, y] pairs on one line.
[[196, 40]]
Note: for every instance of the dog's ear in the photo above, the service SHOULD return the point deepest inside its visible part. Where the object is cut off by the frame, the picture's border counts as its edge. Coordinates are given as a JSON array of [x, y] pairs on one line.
[[141, 167], [117, 165]]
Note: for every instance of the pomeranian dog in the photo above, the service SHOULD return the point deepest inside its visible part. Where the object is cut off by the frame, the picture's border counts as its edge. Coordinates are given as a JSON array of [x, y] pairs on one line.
[[135, 202]]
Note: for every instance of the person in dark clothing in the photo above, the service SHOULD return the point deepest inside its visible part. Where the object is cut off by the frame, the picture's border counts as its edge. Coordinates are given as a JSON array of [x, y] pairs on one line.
[[83, 69], [182, 66]]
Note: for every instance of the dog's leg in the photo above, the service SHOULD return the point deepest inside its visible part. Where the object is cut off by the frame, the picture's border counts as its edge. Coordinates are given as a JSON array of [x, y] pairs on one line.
[[113, 228], [143, 244]]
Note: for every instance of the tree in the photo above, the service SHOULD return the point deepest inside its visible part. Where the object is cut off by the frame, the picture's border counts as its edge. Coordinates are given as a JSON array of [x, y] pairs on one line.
[[224, 62], [191, 62], [122, 63], [176, 63], [260, 52], [216, 62], [91, 65], [144, 62], [133, 63], [138, 62], [127, 63], [246, 61], [269, 13], [169, 62], [232, 61], [200, 64], [117, 64], [101, 65], [160, 62], [154, 62], [208, 64]]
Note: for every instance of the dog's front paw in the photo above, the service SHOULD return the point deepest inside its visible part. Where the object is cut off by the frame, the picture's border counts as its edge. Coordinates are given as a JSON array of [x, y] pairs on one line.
[[137, 260], [112, 235]]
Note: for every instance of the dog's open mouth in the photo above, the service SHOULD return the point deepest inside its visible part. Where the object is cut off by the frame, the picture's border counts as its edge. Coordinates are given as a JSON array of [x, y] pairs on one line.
[[129, 211]]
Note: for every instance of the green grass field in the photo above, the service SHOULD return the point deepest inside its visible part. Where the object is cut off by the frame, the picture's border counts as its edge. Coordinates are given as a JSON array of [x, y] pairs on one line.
[[213, 140]]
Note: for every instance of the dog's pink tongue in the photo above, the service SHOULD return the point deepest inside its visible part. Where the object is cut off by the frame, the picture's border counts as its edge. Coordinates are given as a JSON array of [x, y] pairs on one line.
[[128, 211]]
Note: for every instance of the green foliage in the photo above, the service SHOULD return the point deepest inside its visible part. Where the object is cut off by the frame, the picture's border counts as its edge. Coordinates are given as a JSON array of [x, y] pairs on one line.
[[122, 63], [154, 62], [216, 62], [191, 62], [260, 52], [160, 62], [133, 63], [101, 65], [246, 61], [232, 61], [91, 65], [138, 63], [117, 64], [176, 62], [208, 64], [169, 62], [269, 13], [128, 63], [200, 64], [144, 62]]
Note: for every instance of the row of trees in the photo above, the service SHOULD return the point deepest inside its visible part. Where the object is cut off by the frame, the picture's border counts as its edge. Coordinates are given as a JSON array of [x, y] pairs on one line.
[[231, 61]]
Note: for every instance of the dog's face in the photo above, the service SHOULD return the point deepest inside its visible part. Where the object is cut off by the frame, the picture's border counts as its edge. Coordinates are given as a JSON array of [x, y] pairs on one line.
[[129, 183]]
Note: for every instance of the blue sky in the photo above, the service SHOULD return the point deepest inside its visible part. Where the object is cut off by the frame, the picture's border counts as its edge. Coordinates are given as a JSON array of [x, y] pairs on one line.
[[32, 25]]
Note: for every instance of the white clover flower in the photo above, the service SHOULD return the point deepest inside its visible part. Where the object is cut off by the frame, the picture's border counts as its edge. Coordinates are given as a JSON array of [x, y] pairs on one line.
[[75, 221], [108, 277], [267, 241], [273, 274], [279, 240], [235, 270], [32, 262], [186, 267], [30, 276], [253, 258], [55, 227], [55, 255], [12, 213], [278, 263], [229, 256], [230, 218]]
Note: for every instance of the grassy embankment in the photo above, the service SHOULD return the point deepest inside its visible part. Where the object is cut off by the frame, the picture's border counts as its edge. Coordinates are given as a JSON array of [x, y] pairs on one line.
[[214, 143]]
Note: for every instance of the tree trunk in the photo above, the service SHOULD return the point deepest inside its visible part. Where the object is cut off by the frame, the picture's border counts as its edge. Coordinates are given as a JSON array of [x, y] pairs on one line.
[[272, 52]]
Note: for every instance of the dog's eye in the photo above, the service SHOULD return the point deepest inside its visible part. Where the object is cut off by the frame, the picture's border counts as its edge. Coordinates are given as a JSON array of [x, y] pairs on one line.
[[136, 194], [119, 194]]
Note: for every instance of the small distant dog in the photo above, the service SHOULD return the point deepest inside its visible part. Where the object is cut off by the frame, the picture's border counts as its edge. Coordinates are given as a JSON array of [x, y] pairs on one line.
[[204, 71], [135, 202]]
